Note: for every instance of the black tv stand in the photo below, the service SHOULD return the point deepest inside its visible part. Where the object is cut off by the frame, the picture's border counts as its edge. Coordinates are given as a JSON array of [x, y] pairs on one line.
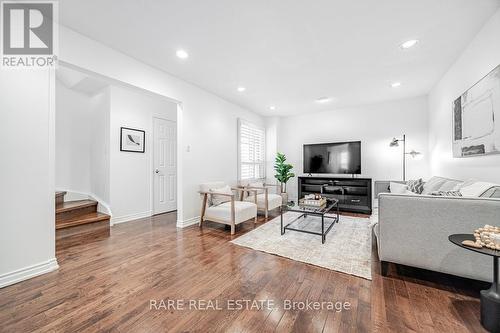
[[354, 194]]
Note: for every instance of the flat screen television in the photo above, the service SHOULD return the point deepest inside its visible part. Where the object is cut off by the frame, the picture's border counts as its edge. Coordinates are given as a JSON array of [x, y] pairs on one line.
[[336, 158]]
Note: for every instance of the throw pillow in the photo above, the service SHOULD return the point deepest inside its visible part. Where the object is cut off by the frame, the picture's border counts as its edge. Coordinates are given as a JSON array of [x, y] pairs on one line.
[[257, 184], [220, 199], [416, 185], [433, 184], [476, 189], [398, 188], [468, 182], [447, 193], [450, 185]]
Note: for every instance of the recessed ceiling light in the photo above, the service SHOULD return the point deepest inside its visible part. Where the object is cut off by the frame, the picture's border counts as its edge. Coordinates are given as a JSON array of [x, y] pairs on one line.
[[323, 100], [395, 84], [409, 43], [181, 54], [272, 107], [241, 89]]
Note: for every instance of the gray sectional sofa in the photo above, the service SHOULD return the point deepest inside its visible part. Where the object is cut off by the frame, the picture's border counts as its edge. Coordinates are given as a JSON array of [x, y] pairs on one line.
[[413, 229]]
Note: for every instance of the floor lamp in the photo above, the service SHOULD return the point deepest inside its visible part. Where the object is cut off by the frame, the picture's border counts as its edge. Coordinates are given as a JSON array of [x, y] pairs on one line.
[[395, 143]]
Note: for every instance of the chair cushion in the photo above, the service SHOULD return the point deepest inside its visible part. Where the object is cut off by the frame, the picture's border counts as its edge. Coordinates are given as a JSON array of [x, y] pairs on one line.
[[243, 211], [274, 200]]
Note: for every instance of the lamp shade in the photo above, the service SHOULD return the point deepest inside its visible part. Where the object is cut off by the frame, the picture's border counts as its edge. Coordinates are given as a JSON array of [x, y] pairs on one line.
[[394, 143]]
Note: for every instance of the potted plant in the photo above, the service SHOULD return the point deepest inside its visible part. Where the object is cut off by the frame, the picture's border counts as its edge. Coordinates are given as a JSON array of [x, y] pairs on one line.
[[283, 174]]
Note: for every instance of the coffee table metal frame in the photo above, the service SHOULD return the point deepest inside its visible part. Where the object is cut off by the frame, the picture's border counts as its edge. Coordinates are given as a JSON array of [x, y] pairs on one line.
[[312, 211]]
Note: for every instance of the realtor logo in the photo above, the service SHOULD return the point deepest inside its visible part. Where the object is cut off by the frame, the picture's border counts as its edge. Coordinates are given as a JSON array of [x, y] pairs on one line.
[[28, 31]]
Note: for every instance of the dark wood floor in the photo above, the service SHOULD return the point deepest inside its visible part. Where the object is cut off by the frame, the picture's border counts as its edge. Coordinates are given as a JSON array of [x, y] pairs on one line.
[[108, 286]]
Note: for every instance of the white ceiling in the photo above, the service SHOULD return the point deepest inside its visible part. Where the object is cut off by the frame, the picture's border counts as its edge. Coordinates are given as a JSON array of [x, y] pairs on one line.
[[289, 53]]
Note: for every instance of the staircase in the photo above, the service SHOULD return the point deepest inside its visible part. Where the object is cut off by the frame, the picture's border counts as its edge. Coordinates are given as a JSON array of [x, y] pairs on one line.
[[79, 222]]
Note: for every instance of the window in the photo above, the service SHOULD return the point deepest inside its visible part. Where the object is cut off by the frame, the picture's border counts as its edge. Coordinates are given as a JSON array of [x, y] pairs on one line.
[[251, 150]]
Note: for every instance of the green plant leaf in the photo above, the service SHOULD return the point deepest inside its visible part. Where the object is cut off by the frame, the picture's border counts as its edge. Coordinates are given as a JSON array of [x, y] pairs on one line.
[[283, 170]]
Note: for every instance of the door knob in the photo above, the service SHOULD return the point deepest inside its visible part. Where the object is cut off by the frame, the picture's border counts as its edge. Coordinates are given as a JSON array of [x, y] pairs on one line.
[[157, 171]]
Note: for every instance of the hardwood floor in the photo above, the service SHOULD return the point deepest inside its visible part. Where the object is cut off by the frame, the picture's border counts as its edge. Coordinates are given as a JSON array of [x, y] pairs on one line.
[[108, 285]]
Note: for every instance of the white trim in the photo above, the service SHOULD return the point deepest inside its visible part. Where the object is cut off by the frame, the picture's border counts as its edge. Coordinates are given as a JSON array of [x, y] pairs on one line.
[[188, 222], [28, 272], [131, 217]]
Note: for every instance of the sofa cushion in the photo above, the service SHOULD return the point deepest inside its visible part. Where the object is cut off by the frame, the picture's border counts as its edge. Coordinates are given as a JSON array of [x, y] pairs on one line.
[[243, 211], [476, 189], [436, 183], [416, 185]]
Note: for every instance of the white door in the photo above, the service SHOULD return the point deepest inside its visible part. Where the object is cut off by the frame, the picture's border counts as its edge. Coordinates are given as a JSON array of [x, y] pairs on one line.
[[164, 166]]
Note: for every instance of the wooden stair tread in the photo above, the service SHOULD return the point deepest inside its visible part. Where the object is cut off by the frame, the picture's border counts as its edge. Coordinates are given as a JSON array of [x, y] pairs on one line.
[[60, 193], [82, 219], [71, 205]]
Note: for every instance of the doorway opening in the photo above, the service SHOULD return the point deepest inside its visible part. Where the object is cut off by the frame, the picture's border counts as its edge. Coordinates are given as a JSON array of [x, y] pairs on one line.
[[93, 168]]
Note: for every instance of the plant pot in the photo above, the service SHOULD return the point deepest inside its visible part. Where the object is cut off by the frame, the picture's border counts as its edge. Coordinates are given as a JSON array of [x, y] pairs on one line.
[[284, 197]]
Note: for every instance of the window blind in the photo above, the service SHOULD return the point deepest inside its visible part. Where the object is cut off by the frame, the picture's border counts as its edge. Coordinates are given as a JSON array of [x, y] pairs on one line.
[[252, 151]]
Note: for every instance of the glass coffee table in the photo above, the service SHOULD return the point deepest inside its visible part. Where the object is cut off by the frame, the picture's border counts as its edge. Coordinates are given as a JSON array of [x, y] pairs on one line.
[[327, 221]]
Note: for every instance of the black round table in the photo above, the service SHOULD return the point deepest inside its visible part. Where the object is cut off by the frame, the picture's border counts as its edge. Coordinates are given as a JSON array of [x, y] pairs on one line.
[[490, 299]]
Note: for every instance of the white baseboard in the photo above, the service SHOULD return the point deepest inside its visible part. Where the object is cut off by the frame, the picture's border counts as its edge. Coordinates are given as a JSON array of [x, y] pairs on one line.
[[131, 217], [188, 222], [28, 272]]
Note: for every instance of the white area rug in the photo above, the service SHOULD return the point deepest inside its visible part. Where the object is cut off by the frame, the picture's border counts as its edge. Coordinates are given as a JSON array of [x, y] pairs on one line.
[[347, 247]]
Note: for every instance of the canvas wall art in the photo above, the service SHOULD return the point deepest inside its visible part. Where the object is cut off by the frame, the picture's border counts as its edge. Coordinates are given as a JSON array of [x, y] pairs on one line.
[[132, 140], [476, 118]]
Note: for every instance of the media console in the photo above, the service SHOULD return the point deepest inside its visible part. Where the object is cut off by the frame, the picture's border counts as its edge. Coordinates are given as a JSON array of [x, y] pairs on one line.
[[354, 194]]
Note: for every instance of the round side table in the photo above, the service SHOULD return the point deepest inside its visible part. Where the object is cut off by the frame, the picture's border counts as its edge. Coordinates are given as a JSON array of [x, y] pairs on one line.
[[490, 299]]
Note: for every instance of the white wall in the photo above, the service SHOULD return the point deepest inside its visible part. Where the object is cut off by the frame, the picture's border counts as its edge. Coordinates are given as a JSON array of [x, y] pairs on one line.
[[131, 173], [72, 139], [479, 58], [374, 125], [207, 123], [27, 220], [272, 133], [82, 144], [100, 106]]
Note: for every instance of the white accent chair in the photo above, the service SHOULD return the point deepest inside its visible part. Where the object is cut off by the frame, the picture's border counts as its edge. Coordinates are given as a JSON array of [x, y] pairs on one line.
[[265, 201], [232, 212]]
